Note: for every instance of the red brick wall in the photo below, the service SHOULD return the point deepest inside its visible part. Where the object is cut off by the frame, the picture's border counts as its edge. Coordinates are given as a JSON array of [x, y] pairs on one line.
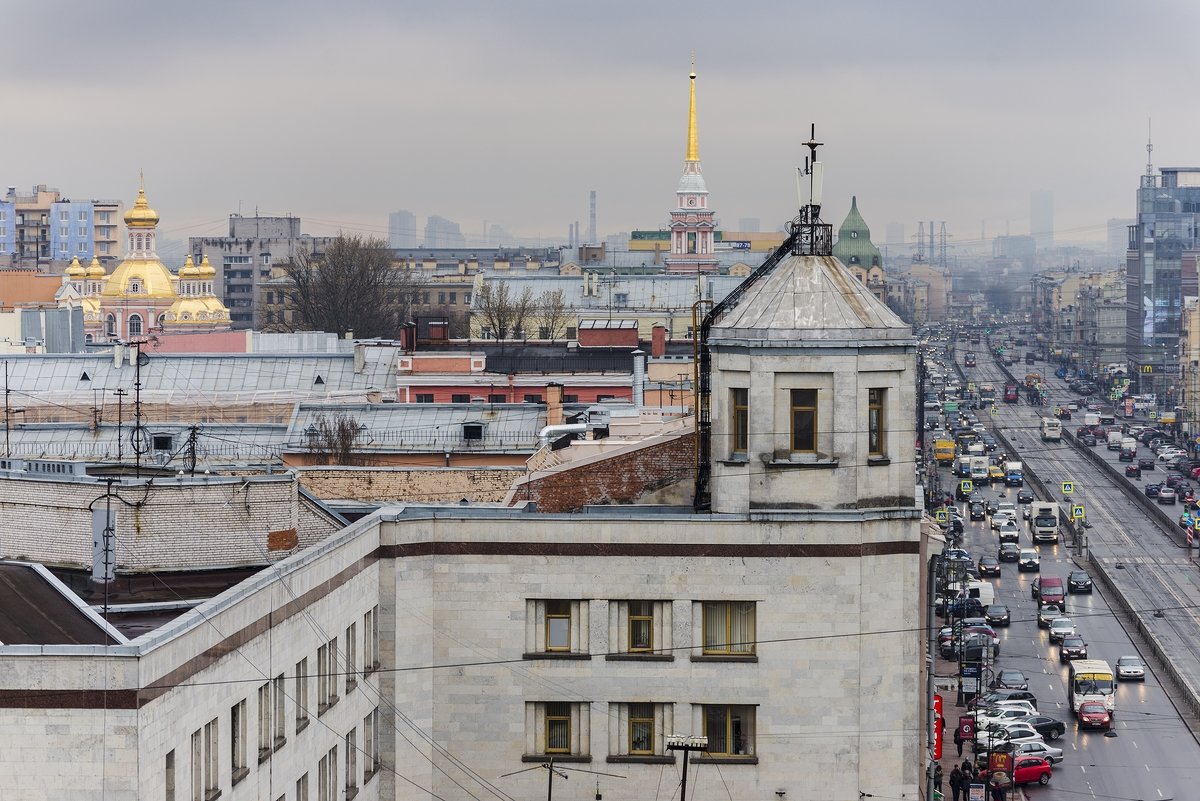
[[622, 479]]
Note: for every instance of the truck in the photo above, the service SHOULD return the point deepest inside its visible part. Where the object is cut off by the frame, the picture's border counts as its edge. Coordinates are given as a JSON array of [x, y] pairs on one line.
[[987, 394], [1091, 419], [943, 451], [1014, 474], [1043, 521], [1128, 449], [1011, 393], [962, 467], [979, 469], [969, 361], [1051, 430]]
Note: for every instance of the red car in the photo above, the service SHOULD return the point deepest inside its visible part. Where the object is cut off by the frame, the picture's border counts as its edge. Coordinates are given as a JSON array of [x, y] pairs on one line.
[[1031, 769], [1093, 715]]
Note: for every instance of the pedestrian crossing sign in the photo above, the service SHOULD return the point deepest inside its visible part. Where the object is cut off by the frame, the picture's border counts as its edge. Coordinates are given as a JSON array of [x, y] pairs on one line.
[[1068, 487], [968, 486], [1077, 511], [941, 516]]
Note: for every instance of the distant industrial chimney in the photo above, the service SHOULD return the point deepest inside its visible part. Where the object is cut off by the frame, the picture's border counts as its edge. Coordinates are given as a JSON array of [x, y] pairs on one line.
[[591, 240]]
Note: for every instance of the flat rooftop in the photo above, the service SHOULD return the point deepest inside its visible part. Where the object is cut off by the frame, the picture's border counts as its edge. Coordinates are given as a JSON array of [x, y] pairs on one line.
[[35, 609]]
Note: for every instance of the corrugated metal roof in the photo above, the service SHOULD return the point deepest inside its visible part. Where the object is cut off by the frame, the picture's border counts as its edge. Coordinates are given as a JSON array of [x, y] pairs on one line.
[[392, 427]]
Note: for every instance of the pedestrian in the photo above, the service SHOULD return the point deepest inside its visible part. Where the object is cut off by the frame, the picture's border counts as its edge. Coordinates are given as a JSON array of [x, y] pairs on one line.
[[958, 740], [956, 779], [937, 778]]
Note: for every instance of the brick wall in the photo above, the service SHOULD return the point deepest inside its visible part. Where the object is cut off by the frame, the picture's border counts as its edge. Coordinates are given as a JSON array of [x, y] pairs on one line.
[[425, 485], [623, 478]]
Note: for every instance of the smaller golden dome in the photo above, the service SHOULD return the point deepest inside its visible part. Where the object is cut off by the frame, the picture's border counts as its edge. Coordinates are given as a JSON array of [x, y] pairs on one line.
[[95, 270], [141, 215], [189, 269], [76, 269], [206, 269]]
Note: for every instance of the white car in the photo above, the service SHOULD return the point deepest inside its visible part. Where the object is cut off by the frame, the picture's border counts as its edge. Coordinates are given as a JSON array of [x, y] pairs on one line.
[[1060, 628], [999, 518], [1131, 667], [1002, 714], [1009, 532], [1029, 560], [1033, 748], [1012, 733], [1167, 454]]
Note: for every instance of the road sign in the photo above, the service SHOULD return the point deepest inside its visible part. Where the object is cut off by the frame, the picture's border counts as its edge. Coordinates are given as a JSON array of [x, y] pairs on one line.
[[1152, 414], [941, 516], [1077, 512], [1068, 487], [968, 486], [978, 792]]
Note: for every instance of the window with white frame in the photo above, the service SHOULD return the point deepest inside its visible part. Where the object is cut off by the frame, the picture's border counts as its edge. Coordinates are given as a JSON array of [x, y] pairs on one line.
[[327, 768], [351, 666], [639, 628], [351, 763], [556, 627], [327, 669], [730, 730], [237, 740], [205, 779], [728, 628], [301, 695], [637, 731], [264, 721], [558, 728], [370, 745], [279, 700], [371, 641]]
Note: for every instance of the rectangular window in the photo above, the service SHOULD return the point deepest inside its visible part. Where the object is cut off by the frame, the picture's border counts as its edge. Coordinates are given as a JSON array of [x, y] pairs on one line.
[[641, 626], [302, 788], [327, 669], [558, 625], [641, 729], [264, 721], [83, 216], [460, 398], [351, 763], [327, 787], [64, 216], [370, 745], [424, 397], [558, 728], [730, 730], [441, 298], [875, 422], [466, 298], [301, 694], [531, 398], [371, 641], [279, 697], [169, 776], [198, 765], [237, 740], [496, 399], [740, 420], [570, 398], [212, 779], [453, 298], [83, 230], [351, 657], [64, 231], [804, 420], [729, 627]]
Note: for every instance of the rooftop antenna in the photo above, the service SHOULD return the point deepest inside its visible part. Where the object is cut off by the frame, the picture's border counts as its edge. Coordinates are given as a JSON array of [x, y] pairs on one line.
[[1149, 149], [811, 237]]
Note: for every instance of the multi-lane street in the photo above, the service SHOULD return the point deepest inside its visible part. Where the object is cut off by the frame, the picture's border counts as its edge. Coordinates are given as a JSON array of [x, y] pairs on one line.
[[1153, 754]]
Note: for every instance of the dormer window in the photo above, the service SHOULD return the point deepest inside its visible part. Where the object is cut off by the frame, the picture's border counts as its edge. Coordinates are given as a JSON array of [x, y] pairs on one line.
[[135, 286]]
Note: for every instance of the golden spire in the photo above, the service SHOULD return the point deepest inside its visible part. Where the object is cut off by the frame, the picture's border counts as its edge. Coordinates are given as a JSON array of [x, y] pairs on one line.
[[693, 142]]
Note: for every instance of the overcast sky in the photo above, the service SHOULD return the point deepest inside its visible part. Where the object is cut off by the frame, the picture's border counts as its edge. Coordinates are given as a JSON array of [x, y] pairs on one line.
[[510, 112]]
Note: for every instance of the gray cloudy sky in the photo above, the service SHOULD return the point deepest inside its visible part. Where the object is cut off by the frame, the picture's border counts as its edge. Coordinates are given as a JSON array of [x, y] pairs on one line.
[[511, 112]]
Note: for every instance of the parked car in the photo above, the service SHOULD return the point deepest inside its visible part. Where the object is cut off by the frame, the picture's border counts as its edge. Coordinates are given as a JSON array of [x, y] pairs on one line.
[[1009, 552], [1166, 496], [1025, 496], [998, 734], [1010, 679], [1061, 628], [989, 566], [1130, 668], [997, 615], [999, 717], [1078, 581], [1047, 613], [1048, 727], [1001, 697], [1029, 769], [1035, 749], [1072, 648], [1029, 560], [1093, 715]]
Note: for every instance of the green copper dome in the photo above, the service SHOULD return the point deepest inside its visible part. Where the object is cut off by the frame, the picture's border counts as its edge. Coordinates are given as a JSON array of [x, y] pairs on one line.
[[853, 246]]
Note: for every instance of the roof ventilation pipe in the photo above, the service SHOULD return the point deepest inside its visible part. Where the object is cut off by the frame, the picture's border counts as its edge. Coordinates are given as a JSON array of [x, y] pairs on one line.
[[567, 428], [639, 379]]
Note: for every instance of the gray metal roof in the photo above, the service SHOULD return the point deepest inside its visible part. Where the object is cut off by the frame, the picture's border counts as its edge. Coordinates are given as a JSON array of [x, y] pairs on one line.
[[393, 427], [618, 293]]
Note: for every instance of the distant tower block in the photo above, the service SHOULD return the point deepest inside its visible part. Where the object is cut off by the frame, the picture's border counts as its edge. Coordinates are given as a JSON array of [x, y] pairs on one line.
[[591, 240]]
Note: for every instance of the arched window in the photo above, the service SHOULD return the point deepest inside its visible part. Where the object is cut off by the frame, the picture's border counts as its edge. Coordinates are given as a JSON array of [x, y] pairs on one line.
[[110, 325], [135, 325], [162, 318], [88, 338]]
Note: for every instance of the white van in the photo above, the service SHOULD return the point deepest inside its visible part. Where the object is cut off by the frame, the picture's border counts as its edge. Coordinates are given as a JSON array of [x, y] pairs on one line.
[[982, 590]]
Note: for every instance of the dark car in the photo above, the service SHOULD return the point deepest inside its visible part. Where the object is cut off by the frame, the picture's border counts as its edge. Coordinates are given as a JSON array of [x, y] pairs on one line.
[[1176, 481], [1145, 464], [997, 615], [1048, 727], [1151, 490], [966, 607], [1079, 581], [1009, 552], [1072, 648], [1025, 496], [977, 511], [992, 505], [1010, 679], [1133, 471], [989, 566], [1089, 440]]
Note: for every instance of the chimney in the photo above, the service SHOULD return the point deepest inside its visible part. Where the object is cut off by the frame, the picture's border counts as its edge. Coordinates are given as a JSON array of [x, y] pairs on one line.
[[360, 357], [658, 341], [639, 379], [554, 409]]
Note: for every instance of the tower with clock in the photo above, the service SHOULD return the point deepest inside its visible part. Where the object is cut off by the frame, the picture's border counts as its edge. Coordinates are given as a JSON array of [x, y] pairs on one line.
[[693, 225]]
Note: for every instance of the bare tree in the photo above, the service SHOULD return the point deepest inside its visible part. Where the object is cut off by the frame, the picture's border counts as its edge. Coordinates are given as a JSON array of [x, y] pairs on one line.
[[524, 307], [351, 287], [334, 438], [494, 308], [554, 312]]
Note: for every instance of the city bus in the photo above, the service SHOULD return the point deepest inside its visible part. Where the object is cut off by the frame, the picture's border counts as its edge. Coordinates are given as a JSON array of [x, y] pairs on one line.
[[1091, 680], [970, 359], [1051, 430]]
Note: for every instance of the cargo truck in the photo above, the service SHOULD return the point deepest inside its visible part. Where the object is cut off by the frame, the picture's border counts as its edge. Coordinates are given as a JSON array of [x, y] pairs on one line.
[[1043, 521], [1014, 474], [943, 451], [979, 469]]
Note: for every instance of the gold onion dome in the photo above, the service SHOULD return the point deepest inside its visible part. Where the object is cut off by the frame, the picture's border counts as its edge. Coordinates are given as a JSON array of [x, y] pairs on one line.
[[76, 269], [206, 269], [94, 269], [141, 215], [189, 269]]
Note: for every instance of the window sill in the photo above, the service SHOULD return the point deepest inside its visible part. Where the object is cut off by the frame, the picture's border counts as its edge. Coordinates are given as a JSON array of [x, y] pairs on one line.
[[280, 742], [240, 774], [726, 760], [724, 657], [301, 725], [580, 758], [351, 792], [264, 754], [369, 669], [555, 655], [212, 795], [370, 775], [875, 461], [639, 657], [649, 759], [323, 708], [351, 686], [808, 464], [735, 461]]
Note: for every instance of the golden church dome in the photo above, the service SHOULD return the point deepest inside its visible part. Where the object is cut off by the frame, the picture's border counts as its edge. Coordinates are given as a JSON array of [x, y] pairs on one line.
[[189, 269], [76, 269], [197, 311], [140, 278], [141, 215], [95, 270], [206, 269]]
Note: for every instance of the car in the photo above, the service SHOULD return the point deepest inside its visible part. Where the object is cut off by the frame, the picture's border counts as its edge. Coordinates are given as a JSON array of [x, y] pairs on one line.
[[1009, 532], [1061, 628], [1035, 749], [997, 615], [1000, 733], [1133, 471], [1025, 496], [1047, 613], [995, 474], [989, 566], [1145, 464], [1078, 581], [958, 554], [1030, 769], [1130, 668], [1029, 560], [977, 511], [1009, 552], [1093, 715], [1166, 496], [1176, 482], [1151, 490], [965, 607], [992, 505], [1072, 648], [1169, 454], [1048, 727], [976, 497], [1001, 716], [1000, 517], [1089, 440], [1010, 679], [1003, 698]]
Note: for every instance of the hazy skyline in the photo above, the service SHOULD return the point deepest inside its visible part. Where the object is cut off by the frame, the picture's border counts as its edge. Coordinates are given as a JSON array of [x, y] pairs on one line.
[[511, 113]]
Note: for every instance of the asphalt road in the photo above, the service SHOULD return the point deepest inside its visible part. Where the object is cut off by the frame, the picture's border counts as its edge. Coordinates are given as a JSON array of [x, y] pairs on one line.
[[1154, 755]]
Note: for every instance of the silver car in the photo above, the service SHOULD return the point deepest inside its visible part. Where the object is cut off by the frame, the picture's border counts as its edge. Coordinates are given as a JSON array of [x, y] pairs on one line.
[[1029, 560], [1033, 748], [1131, 667], [1060, 628]]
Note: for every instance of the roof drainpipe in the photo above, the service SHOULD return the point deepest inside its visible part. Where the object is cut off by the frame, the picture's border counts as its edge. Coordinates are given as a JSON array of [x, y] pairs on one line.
[[639, 378]]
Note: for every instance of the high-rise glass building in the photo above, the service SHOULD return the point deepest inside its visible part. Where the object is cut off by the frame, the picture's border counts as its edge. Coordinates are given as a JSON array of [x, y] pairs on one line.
[[402, 229], [1041, 219]]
